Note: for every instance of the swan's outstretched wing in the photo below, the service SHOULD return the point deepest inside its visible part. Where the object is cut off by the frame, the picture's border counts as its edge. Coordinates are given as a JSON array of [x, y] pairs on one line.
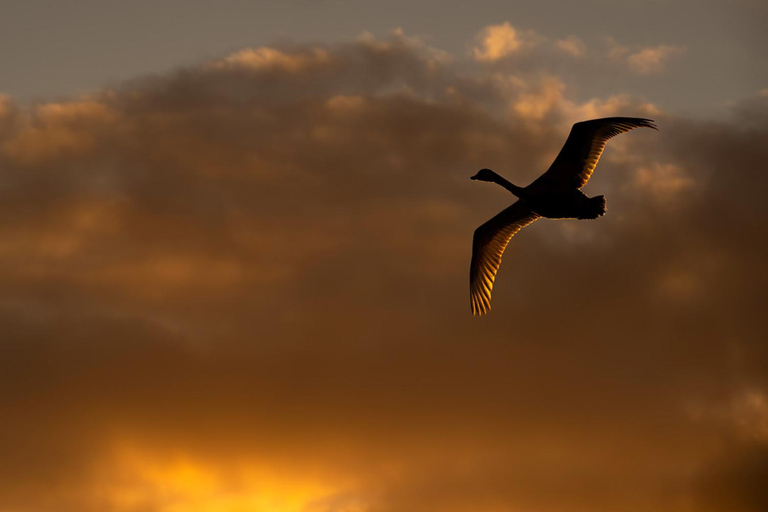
[[488, 245], [577, 160]]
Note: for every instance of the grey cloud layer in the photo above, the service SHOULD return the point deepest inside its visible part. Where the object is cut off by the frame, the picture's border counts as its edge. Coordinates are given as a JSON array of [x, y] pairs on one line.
[[264, 260]]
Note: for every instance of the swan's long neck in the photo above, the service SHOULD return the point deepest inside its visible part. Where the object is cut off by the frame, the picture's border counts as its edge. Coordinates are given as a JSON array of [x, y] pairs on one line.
[[509, 186]]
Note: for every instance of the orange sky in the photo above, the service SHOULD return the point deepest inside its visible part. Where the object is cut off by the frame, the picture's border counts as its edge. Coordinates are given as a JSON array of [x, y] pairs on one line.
[[242, 286]]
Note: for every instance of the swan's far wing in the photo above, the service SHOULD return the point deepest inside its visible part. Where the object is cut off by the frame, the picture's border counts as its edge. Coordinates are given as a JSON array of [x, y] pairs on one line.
[[577, 160], [488, 245]]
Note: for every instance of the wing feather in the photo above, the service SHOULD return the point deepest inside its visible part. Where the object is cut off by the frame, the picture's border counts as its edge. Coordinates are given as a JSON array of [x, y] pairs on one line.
[[488, 245], [577, 160]]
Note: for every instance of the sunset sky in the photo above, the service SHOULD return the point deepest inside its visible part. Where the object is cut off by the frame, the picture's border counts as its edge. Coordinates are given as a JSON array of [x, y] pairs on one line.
[[235, 241]]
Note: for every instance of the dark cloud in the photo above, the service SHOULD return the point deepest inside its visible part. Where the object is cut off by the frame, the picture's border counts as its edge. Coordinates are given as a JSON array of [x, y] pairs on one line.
[[248, 280], [736, 481]]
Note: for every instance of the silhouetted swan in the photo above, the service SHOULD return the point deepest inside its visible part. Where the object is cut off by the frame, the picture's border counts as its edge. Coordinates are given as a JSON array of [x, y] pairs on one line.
[[555, 195]]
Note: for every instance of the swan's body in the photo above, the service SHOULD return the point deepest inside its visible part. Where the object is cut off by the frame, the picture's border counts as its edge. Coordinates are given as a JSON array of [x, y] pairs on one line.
[[554, 195]]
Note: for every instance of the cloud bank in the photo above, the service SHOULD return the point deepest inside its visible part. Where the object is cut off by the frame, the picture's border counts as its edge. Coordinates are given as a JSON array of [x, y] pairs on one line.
[[243, 286]]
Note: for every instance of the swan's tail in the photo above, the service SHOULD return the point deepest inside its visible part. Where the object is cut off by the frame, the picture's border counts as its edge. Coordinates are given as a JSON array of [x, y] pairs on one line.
[[596, 208]]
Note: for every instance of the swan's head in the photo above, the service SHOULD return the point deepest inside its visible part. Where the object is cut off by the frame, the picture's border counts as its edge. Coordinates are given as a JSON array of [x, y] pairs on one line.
[[484, 175]]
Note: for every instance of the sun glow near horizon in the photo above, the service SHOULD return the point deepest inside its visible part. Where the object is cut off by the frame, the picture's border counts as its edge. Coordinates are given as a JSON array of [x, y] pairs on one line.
[[136, 479]]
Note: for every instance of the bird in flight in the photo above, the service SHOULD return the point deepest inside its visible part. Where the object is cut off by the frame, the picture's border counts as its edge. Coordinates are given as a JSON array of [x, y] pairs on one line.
[[554, 195]]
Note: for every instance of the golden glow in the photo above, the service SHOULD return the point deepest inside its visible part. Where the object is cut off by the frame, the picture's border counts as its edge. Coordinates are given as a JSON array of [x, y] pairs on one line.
[[58, 130], [497, 42], [269, 58], [183, 483]]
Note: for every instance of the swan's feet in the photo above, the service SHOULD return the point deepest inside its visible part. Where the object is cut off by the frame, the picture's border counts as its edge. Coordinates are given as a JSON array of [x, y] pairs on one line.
[[595, 209]]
